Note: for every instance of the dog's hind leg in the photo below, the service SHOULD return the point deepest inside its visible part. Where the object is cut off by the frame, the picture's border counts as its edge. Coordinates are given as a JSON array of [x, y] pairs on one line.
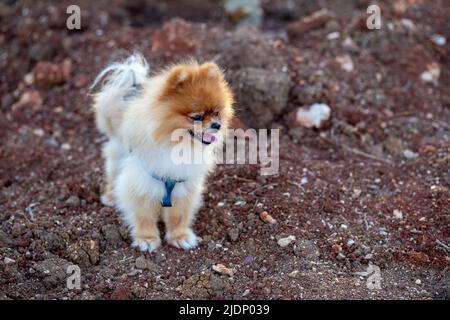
[[113, 152]]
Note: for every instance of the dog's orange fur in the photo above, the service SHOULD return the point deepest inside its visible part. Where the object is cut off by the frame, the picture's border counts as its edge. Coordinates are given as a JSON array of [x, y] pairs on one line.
[[193, 88]]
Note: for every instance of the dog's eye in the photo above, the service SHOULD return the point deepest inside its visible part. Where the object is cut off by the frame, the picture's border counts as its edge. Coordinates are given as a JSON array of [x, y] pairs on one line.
[[197, 117]]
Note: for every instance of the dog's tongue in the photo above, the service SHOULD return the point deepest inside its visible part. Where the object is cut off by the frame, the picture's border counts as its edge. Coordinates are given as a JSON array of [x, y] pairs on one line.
[[207, 137]]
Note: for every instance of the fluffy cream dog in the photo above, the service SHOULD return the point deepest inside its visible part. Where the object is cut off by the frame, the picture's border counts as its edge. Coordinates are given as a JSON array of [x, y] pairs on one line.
[[140, 113]]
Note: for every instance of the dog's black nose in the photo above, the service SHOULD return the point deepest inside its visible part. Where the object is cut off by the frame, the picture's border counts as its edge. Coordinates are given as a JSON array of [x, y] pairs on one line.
[[215, 125]]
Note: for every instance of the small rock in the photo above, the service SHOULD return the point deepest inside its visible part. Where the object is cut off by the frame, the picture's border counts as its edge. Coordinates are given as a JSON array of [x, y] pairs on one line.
[[394, 145], [243, 12], [133, 272], [293, 274], [408, 23], [419, 257], [28, 79], [139, 292], [7, 100], [356, 193], [333, 35], [73, 201], [240, 203], [233, 234], [267, 218], [368, 256], [111, 234], [307, 249], [313, 117], [160, 257], [350, 243], [8, 261], [284, 242], [66, 146], [220, 268], [141, 263], [262, 94], [52, 271], [175, 36], [418, 282], [340, 256], [349, 44], [346, 62], [39, 132], [343, 226], [28, 99], [432, 73], [398, 214], [47, 74], [318, 19], [365, 249], [247, 260], [202, 286], [408, 154], [121, 293], [5, 240], [336, 248], [84, 253], [439, 40]]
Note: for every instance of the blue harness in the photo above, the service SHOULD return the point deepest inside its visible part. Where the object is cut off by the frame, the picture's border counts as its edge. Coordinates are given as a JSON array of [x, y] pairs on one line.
[[169, 184]]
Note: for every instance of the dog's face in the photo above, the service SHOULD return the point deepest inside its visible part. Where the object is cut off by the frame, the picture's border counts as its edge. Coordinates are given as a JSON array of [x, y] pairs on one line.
[[196, 101]]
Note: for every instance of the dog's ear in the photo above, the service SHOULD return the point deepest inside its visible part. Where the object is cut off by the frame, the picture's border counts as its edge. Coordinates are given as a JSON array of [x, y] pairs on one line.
[[212, 70], [178, 76]]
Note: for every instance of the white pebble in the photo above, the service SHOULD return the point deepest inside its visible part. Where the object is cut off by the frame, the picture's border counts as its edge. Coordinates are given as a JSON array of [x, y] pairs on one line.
[[408, 154], [66, 146], [333, 35], [398, 214], [438, 39], [432, 73], [284, 242], [346, 62], [313, 116], [293, 274]]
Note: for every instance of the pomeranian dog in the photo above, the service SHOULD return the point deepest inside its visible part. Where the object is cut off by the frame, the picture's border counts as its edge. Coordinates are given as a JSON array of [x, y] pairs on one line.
[[139, 113]]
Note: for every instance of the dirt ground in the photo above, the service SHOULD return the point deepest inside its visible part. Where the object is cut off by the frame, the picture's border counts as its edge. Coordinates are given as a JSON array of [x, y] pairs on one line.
[[371, 186]]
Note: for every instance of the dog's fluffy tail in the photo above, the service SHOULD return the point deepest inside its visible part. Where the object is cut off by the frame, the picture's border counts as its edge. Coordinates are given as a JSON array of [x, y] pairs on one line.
[[114, 88]]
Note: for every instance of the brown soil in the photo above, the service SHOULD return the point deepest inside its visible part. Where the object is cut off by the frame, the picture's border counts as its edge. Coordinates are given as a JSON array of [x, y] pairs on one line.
[[336, 184]]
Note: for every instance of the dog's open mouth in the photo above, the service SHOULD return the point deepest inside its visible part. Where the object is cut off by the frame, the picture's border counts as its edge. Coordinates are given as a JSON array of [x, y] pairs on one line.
[[205, 138]]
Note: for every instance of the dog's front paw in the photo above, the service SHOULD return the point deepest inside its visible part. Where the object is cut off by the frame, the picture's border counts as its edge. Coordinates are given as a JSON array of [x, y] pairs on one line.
[[184, 239], [146, 244]]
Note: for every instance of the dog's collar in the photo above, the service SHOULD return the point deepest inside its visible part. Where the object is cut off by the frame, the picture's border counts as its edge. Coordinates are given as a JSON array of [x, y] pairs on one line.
[[169, 184]]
